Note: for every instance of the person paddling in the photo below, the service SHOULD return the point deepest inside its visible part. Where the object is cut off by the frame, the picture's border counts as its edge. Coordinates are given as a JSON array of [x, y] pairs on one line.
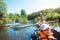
[[41, 21]]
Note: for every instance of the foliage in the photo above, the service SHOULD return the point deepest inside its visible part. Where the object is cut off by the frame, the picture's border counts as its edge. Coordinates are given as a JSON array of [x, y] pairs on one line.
[[23, 12], [33, 15], [57, 10], [23, 16], [10, 16], [37, 19], [49, 14], [6, 17], [2, 12], [2, 8]]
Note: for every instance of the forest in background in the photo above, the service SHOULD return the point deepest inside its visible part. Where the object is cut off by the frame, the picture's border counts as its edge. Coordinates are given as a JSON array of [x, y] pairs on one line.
[[49, 14]]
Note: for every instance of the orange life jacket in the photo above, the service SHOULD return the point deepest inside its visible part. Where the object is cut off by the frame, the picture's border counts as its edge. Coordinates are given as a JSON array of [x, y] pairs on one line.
[[43, 36]]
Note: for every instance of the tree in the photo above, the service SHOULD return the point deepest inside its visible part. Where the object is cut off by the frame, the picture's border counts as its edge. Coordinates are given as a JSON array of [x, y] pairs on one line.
[[2, 8], [2, 12], [12, 16], [57, 10], [6, 17], [23, 16], [23, 12]]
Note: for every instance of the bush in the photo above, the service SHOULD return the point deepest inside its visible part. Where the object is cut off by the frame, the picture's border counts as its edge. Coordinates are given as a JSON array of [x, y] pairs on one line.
[[37, 19]]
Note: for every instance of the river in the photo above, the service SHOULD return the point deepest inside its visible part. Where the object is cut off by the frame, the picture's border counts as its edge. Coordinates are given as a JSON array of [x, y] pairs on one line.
[[21, 33]]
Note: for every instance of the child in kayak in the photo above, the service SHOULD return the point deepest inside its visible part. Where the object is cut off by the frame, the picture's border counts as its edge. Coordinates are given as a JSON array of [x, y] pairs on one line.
[[45, 32]]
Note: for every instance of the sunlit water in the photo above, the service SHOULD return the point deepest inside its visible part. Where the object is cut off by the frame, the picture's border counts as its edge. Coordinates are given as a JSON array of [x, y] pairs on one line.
[[21, 33]]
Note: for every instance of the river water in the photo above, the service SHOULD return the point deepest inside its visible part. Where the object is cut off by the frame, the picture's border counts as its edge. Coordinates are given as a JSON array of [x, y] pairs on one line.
[[21, 33]]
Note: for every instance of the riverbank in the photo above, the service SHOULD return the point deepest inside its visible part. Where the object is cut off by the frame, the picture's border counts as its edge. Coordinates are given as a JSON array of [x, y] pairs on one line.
[[4, 35]]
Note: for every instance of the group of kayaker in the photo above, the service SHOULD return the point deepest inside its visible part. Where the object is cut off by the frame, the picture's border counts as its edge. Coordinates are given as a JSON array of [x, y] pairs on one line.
[[15, 21], [44, 32]]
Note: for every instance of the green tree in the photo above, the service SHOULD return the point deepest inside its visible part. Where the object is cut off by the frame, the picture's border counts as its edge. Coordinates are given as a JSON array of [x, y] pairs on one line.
[[23, 12], [6, 17], [57, 10], [49, 14], [23, 16], [3, 8]]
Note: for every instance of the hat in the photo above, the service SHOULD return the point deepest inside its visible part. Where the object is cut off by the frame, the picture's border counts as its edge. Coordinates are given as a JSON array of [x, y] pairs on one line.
[[44, 26]]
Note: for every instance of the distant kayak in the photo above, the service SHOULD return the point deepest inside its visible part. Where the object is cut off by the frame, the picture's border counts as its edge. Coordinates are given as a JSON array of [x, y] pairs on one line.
[[11, 24]]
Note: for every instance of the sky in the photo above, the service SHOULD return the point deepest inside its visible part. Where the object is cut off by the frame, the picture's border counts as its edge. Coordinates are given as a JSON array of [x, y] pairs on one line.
[[30, 6]]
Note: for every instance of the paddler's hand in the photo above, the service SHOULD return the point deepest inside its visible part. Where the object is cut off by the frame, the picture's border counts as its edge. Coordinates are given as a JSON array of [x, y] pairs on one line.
[[37, 25], [52, 38]]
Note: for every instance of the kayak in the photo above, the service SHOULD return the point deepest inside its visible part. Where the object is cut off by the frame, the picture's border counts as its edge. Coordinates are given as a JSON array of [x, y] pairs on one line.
[[11, 25], [35, 36]]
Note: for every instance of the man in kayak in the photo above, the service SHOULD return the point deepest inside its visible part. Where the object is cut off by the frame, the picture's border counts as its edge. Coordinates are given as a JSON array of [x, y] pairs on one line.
[[45, 32], [41, 21]]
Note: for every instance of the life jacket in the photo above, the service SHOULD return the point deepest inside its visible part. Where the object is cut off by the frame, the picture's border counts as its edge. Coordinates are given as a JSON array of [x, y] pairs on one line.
[[43, 36]]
